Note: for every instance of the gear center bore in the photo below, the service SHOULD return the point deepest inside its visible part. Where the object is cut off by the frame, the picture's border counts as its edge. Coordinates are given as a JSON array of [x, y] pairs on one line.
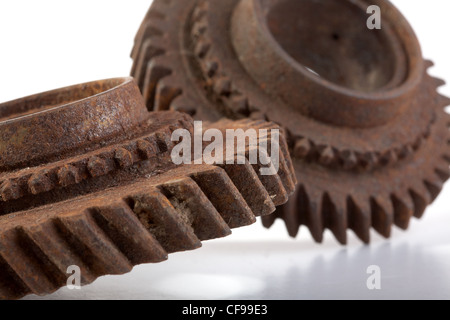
[[314, 61]]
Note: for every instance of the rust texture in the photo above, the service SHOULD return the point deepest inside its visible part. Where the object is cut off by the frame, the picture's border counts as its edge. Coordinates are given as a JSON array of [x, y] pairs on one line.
[[87, 179], [364, 122]]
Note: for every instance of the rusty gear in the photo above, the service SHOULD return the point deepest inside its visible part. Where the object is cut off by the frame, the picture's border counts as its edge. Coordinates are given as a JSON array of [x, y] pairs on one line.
[[366, 126], [87, 179]]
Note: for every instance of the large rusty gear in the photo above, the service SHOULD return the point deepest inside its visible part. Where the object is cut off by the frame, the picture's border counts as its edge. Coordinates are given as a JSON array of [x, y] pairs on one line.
[[87, 179], [366, 126]]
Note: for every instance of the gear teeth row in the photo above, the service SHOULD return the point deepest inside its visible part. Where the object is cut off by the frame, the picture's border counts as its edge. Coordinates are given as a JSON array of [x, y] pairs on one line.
[[321, 211], [16, 185], [142, 227]]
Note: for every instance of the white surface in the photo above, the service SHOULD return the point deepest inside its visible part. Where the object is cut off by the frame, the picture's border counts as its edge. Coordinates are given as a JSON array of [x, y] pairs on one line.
[[49, 44]]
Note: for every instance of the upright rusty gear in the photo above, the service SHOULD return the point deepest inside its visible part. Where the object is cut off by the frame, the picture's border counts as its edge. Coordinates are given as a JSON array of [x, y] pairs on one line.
[[366, 126], [87, 179]]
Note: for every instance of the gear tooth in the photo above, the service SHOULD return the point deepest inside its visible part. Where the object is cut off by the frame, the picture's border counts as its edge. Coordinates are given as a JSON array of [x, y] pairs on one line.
[[314, 219], [238, 104], [382, 215], [247, 182], [327, 156], [28, 273], [302, 148], [444, 101], [166, 92], [225, 197], [123, 157], [443, 172], [54, 252], [12, 286], [438, 82], [97, 167], [368, 160], [199, 12], [202, 48], [349, 159], [222, 86], [289, 212], [185, 104], [40, 183], [428, 64], [146, 149], [98, 250], [155, 72], [258, 115], [403, 209], [188, 199], [198, 29], [10, 190], [421, 199], [147, 30], [434, 187], [68, 175], [161, 219], [335, 217], [389, 157], [405, 151], [151, 48], [359, 217], [211, 66], [269, 220]]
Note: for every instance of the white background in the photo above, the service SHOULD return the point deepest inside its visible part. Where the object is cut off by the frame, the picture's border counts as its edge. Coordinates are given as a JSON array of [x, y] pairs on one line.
[[48, 44]]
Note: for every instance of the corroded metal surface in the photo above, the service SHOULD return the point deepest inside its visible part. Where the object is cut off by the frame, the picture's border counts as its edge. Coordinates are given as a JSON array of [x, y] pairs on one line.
[[365, 124], [87, 179]]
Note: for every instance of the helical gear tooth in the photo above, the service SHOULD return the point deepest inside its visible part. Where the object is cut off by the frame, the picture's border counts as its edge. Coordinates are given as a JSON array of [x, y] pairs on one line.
[[359, 216], [403, 209], [421, 199], [128, 234], [98, 249], [225, 197], [161, 219], [187, 198], [382, 215], [335, 216], [58, 252], [302, 148], [247, 182], [34, 276]]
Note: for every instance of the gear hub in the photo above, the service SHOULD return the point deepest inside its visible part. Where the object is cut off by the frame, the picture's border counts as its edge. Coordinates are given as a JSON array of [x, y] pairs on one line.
[[365, 124]]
